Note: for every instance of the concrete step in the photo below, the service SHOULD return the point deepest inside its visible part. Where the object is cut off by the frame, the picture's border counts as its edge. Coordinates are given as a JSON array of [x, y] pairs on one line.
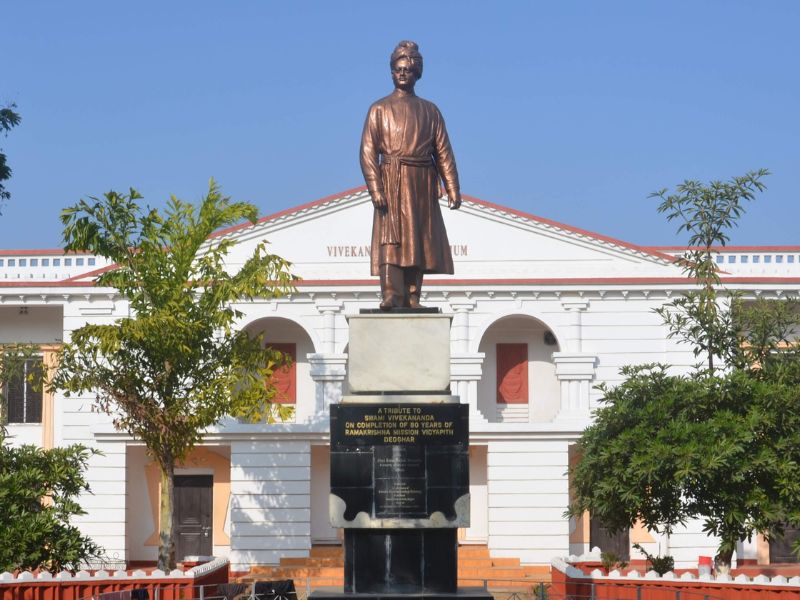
[[487, 562], [473, 551], [491, 572], [313, 561], [264, 572], [324, 568], [322, 551]]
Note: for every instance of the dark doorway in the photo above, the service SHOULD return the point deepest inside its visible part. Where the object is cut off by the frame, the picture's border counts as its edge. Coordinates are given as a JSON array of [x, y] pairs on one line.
[[193, 503], [600, 537], [780, 548]]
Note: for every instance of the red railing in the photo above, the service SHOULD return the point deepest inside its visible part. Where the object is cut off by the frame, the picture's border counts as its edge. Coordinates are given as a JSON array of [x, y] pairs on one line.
[[65, 586], [570, 582]]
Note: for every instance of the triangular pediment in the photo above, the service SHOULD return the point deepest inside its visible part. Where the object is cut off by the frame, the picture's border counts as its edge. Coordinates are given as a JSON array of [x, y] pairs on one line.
[[330, 240]]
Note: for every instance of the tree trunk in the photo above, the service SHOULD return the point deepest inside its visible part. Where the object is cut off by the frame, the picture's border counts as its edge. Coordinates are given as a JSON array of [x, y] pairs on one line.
[[722, 561], [166, 530]]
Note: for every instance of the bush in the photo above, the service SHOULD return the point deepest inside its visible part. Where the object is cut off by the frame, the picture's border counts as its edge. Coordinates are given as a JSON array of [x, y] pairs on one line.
[[38, 491], [659, 564]]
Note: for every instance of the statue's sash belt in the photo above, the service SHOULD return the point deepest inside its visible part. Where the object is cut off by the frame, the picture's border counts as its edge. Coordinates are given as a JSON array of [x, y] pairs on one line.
[[393, 164]]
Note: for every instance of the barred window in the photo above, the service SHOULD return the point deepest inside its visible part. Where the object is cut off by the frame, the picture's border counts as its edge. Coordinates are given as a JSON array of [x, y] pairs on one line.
[[23, 393]]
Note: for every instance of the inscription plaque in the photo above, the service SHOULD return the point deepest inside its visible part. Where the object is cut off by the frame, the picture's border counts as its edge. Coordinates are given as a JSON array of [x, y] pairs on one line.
[[400, 480], [394, 461], [378, 424]]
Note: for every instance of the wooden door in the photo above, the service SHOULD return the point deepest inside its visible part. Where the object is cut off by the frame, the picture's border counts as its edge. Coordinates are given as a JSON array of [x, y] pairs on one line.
[[780, 548], [193, 504], [618, 543]]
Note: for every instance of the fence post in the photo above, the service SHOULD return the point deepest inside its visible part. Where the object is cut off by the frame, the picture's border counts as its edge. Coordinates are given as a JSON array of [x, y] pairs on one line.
[[202, 594]]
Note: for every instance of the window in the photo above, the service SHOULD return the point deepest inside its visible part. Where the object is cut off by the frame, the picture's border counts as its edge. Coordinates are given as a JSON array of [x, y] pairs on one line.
[[67, 262], [790, 258], [90, 262], [1, 262], [45, 262], [78, 262], [767, 259], [512, 373], [56, 262], [731, 258], [12, 262], [779, 258], [743, 258], [720, 259], [23, 393], [23, 262], [285, 378], [34, 262], [756, 258]]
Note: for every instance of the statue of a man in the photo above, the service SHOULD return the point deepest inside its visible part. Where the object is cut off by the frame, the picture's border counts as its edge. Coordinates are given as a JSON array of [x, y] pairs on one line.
[[404, 152]]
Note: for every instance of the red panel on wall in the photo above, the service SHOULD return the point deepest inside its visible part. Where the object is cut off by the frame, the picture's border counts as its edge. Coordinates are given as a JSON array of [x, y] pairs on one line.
[[512, 373], [285, 378]]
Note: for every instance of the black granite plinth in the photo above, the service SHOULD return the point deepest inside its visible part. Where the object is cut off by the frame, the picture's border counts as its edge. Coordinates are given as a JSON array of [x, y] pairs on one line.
[[401, 561], [469, 593], [395, 461]]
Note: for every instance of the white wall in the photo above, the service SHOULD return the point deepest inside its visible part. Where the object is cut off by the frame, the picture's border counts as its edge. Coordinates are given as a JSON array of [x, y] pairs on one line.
[[321, 530], [24, 433], [36, 324], [478, 530], [139, 524], [528, 495], [270, 502]]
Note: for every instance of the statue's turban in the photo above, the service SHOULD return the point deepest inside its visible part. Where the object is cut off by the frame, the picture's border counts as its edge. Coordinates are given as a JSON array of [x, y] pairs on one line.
[[409, 50]]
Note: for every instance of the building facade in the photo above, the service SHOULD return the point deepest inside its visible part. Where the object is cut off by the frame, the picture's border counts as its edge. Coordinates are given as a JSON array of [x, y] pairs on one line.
[[541, 313]]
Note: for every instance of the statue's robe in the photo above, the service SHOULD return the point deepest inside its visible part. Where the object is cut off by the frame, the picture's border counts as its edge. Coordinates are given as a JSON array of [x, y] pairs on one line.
[[404, 152]]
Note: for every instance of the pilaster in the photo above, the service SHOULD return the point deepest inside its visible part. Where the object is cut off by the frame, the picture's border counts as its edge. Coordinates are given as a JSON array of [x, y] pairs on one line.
[[466, 370], [574, 307], [575, 372], [328, 372], [328, 308]]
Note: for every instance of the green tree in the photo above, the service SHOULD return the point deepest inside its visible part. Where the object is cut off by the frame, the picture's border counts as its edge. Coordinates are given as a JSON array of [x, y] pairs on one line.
[[667, 449], [177, 364], [722, 443], [8, 120], [706, 213], [38, 493]]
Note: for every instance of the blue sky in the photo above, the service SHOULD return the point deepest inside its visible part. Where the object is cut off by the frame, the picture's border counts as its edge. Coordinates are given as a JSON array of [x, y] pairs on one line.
[[574, 111]]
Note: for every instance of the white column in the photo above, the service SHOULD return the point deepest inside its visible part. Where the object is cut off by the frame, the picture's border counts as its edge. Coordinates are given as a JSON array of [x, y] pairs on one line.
[[574, 307], [327, 368], [465, 373], [459, 331], [328, 308], [575, 373], [328, 372]]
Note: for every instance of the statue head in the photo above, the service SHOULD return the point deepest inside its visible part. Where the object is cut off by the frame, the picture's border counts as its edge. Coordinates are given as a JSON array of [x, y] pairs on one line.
[[410, 51]]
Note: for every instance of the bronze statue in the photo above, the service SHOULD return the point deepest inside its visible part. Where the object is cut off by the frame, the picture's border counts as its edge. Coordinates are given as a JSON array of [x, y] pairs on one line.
[[404, 152]]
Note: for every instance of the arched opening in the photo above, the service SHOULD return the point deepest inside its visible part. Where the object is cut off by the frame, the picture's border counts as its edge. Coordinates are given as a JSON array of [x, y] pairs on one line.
[[519, 382], [294, 383]]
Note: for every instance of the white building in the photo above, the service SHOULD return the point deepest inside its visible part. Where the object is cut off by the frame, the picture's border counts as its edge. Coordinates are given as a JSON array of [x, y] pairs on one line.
[[541, 313]]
